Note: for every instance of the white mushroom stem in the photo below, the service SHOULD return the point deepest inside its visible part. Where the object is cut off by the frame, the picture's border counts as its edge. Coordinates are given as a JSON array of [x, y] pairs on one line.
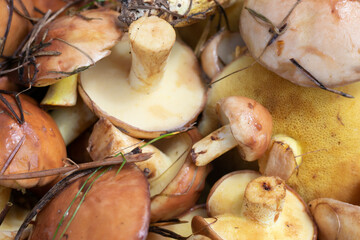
[[249, 126], [264, 199], [151, 41], [213, 145]]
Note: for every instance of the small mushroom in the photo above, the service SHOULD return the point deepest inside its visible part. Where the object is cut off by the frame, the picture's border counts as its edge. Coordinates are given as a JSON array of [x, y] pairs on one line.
[[175, 182], [118, 204], [34, 145], [322, 36], [249, 125], [155, 89], [219, 51], [336, 219], [282, 159], [81, 40], [245, 205]]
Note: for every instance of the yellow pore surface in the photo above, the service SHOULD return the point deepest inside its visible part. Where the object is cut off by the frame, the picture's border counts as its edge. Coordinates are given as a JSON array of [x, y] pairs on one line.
[[325, 124]]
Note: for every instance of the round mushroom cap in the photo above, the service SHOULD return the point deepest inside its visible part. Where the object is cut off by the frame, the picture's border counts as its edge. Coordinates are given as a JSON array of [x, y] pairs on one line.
[[250, 122], [322, 36], [117, 206], [37, 143], [225, 204], [81, 42]]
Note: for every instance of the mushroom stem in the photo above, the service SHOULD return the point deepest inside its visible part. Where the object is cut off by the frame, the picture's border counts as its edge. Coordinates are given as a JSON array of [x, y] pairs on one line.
[[264, 199], [151, 41], [213, 145]]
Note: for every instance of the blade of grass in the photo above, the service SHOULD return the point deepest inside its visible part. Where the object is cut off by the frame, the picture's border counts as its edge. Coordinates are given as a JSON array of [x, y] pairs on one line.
[[72, 202]]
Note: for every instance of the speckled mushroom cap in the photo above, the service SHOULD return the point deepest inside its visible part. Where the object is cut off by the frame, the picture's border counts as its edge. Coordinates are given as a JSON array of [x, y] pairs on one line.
[[322, 36]]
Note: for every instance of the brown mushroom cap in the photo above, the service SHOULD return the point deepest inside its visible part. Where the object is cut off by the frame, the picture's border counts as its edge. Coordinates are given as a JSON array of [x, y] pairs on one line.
[[323, 36], [250, 123], [116, 207], [82, 43], [42, 144], [19, 25], [336, 219]]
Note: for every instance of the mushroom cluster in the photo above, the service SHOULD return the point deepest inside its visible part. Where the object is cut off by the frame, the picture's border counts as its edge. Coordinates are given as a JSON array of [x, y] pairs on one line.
[[179, 119]]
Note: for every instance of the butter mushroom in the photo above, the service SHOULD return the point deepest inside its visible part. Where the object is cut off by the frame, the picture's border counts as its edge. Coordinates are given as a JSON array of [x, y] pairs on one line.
[[175, 182], [322, 36], [104, 212], [81, 40], [245, 205], [32, 145], [336, 219], [155, 89], [249, 126]]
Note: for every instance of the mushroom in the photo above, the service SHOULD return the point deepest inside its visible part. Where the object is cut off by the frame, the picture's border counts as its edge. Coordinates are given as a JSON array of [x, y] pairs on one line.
[[81, 40], [245, 205], [72, 121], [19, 26], [249, 126], [322, 123], [154, 90], [322, 36], [13, 218], [175, 182], [61, 94], [118, 204], [282, 159], [219, 51], [336, 219], [33, 145], [183, 227]]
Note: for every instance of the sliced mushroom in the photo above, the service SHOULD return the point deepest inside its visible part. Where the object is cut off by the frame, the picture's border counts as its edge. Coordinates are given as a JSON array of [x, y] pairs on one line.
[[118, 204], [219, 51], [81, 40], [154, 90], [336, 219], [282, 159], [175, 182], [249, 125], [244, 205], [31, 146], [322, 36]]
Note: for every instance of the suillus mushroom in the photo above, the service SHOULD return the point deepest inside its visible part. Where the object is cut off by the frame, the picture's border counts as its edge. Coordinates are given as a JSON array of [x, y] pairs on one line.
[[175, 182], [322, 36], [154, 90], [246, 205], [322, 123], [282, 159], [80, 40], [219, 51], [104, 212], [18, 28], [33, 144], [248, 124], [335, 219]]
